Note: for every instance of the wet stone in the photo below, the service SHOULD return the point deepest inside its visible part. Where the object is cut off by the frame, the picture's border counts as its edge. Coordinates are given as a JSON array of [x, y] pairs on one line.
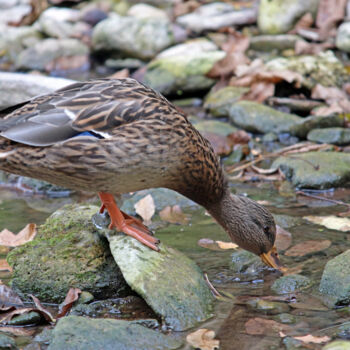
[[66, 252], [7, 343], [215, 127], [290, 283], [343, 331], [318, 170], [243, 261], [267, 307], [343, 37], [285, 318], [152, 274], [336, 136], [74, 332], [335, 281], [25, 319], [274, 42]]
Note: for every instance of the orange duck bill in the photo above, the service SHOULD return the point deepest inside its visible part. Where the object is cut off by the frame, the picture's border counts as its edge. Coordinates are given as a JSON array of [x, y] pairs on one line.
[[272, 259]]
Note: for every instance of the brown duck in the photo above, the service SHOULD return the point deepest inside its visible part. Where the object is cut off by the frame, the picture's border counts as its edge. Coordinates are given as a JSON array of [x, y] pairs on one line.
[[117, 136]]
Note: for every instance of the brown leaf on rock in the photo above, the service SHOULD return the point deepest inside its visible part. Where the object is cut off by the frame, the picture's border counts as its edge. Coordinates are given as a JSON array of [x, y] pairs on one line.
[[239, 137], [235, 48], [329, 13], [146, 208], [71, 297], [305, 22], [262, 326], [174, 215], [121, 74], [4, 266], [306, 48], [261, 80], [308, 247], [203, 339], [8, 298], [19, 332], [36, 8], [9, 239], [182, 7]]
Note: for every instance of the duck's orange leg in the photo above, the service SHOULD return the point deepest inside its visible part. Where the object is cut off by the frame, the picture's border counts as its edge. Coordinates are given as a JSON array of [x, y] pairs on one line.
[[125, 223]]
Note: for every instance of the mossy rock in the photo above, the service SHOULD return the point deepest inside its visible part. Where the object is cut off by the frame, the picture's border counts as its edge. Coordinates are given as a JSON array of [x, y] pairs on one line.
[[336, 136], [66, 252], [318, 170], [290, 284]]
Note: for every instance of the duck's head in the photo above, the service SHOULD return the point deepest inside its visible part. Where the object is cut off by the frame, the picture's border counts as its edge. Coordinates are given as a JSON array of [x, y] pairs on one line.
[[249, 225]]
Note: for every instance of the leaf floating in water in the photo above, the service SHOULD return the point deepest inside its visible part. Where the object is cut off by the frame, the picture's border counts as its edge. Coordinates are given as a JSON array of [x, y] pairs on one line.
[[174, 215], [308, 247], [146, 208], [203, 339], [332, 222], [9, 239], [71, 297], [216, 245], [309, 338]]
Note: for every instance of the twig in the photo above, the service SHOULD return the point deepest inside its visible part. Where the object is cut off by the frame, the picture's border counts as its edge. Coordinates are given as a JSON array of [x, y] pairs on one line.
[[322, 198], [212, 288]]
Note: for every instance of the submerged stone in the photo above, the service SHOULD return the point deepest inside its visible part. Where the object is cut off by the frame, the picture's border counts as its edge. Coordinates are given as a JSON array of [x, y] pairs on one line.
[[7, 342], [268, 307], [170, 282], [335, 281], [336, 136], [290, 283], [319, 170], [74, 333], [66, 252], [243, 261], [255, 117]]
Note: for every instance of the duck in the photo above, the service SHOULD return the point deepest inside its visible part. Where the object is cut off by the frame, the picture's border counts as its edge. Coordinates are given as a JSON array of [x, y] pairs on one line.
[[113, 136]]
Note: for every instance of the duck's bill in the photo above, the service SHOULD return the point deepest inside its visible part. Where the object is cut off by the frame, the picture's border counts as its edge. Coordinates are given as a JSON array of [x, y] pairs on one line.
[[272, 259]]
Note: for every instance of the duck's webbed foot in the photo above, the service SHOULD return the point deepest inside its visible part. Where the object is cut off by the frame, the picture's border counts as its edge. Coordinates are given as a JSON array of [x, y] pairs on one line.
[[126, 223]]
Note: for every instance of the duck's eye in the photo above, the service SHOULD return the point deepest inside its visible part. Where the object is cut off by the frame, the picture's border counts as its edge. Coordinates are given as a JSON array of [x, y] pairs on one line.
[[267, 230]]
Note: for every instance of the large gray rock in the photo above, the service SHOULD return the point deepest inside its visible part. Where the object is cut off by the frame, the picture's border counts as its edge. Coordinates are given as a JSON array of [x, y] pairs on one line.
[[336, 136], [16, 88], [279, 16], [343, 37], [152, 274], [79, 333], [66, 252], [255, 117], [183, 67], [290, 284], [215, 16], [335, 282], [318, 170], [46, 51], [138, 37]]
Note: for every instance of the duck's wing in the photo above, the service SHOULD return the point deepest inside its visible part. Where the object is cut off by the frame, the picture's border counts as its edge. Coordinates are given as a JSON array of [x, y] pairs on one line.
[[93, 108]]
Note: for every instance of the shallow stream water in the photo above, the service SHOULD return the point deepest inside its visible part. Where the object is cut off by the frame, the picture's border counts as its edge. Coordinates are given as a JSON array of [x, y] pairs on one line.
[[309, 313]]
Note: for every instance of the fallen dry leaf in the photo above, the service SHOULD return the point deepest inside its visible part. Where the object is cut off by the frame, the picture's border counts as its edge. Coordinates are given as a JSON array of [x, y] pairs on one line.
[[174, 215], [41, 310], [71, 297], [19, 332], [203, 339], [309, 338], [10, 239], [4, 266], [146, 208], [222, 144], [8, 298], [216, 245], [332, 222], [308, 247], [262, 326]]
